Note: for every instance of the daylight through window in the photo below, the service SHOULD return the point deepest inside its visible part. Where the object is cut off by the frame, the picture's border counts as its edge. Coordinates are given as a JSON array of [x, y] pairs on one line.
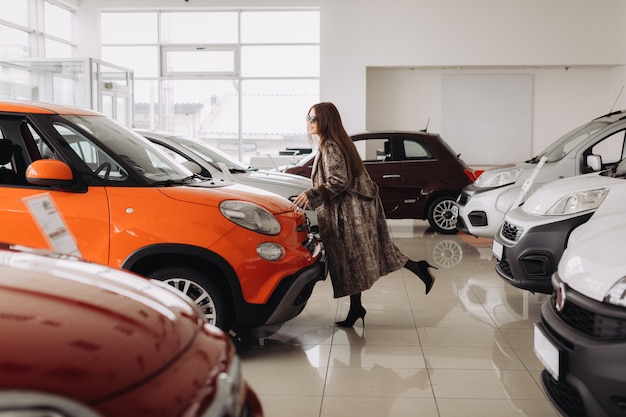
[[239, 80]]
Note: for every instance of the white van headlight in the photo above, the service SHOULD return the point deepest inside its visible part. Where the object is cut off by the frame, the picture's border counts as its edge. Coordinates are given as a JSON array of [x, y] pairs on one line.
[[579, 201], [617, 294], [250, 216], [486, 179]]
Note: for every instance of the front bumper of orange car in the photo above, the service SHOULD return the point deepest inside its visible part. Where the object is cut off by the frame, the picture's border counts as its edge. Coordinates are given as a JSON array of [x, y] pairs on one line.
[[288, 298]]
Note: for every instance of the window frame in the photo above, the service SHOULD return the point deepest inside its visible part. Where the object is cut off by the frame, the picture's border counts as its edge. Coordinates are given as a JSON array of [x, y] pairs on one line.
[[36, 33], [165, 48], [159, 115]]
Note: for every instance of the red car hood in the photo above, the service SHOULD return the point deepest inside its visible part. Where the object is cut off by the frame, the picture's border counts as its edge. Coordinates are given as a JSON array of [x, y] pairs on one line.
[[86, 336]]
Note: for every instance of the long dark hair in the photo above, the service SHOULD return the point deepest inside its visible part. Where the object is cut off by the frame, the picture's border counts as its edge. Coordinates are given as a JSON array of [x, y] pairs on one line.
[[330, 128]]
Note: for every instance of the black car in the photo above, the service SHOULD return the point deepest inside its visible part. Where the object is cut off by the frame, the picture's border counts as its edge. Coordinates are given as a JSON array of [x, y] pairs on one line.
[[418, 174]]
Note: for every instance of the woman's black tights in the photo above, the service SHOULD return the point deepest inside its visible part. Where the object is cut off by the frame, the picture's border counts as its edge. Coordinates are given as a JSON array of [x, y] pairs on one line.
[[356, 312], [355, 302]]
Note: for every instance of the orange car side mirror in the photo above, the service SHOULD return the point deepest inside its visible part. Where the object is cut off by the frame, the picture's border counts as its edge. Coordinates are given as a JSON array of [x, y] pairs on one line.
[[49, 172]]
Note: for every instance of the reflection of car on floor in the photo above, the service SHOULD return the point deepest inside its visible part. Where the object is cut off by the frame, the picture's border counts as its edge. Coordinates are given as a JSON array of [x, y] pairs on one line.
[[246, 256], [581, 339], [78, 335], [206, 161], [449, 251], [418, 174], [594, 146], [489, 304]]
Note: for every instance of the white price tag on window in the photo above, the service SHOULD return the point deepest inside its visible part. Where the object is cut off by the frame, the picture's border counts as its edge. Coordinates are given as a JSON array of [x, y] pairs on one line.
[[51, 224]]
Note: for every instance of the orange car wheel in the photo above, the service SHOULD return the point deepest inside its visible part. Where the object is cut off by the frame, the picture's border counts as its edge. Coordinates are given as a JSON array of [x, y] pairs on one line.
[[207, 295]]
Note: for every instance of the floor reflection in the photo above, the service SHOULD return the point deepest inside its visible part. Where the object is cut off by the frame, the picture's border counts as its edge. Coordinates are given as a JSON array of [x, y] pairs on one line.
[[465, 349]]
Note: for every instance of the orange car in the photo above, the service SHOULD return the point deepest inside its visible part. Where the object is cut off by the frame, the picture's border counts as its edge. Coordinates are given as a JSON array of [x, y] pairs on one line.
[[77, 182]]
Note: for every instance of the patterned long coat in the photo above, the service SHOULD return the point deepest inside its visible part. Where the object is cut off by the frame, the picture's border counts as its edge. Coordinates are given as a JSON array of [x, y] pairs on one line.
[[352, 224]]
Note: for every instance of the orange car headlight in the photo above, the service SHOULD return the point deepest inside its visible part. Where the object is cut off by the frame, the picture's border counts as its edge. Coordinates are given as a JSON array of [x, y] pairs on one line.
[[251, 216]]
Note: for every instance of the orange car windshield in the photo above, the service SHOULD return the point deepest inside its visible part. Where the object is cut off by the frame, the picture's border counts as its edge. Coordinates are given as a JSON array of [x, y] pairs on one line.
[[99, 140]]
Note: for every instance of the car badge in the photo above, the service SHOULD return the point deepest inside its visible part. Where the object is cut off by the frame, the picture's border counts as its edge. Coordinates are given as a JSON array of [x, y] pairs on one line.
[[560, 298]]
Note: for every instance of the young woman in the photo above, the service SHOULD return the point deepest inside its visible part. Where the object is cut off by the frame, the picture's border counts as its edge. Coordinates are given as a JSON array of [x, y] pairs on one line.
[[350, 214]]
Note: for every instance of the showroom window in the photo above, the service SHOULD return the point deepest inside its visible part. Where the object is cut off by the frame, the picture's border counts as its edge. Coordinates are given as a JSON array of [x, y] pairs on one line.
[[240, 80], [58, 31], [36, 29]]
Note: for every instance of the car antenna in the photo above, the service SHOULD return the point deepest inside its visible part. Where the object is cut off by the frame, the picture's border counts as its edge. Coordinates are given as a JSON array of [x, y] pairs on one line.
[[618, 96], [425, 130]]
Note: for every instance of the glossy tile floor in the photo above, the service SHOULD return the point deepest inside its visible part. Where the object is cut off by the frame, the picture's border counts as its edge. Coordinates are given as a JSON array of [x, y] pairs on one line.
[[463, 350]]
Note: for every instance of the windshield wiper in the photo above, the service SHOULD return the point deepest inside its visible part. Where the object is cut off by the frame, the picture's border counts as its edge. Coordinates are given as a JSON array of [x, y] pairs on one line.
[[182, 181], [617, 173], [168, 183]]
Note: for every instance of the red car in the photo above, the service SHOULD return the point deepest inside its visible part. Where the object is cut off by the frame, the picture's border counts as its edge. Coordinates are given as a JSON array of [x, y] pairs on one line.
[[418, 173], [111, 341]]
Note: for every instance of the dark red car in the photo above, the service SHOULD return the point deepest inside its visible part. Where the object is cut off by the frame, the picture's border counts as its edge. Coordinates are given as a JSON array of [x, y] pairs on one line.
[[109, 341], [418, 173]]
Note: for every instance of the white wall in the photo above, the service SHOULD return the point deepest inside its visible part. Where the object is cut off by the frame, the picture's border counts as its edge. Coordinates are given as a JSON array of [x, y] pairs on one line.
[[72, 4], [408, 99], [367, 47]]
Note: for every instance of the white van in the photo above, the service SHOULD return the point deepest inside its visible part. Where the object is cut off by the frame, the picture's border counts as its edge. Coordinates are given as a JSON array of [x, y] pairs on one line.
[[594, 146], [581, 338]]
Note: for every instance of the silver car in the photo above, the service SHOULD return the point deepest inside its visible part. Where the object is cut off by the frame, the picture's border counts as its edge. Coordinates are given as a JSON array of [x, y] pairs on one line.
[[208, 161], [594, 146]]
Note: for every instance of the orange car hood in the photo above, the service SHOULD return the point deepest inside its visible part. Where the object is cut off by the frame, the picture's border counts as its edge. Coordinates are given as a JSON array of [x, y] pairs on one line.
[[199, 194], [85, 335]]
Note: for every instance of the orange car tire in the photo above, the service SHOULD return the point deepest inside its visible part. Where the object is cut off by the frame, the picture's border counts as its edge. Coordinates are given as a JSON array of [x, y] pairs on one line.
[[206, 293]]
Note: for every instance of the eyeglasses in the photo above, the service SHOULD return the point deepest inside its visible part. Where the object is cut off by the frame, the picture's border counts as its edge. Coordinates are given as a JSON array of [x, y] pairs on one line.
[[311, 119]]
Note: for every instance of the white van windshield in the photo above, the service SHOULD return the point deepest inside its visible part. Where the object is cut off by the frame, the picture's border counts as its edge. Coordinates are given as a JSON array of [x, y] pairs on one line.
[[571, 140]]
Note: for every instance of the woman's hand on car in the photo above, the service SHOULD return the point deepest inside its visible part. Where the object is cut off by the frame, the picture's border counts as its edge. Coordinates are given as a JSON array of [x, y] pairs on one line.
[[302, 201]]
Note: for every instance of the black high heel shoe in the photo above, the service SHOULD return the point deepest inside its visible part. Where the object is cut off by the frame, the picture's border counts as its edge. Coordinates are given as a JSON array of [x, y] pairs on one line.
[[420, 268], [353, 316]]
